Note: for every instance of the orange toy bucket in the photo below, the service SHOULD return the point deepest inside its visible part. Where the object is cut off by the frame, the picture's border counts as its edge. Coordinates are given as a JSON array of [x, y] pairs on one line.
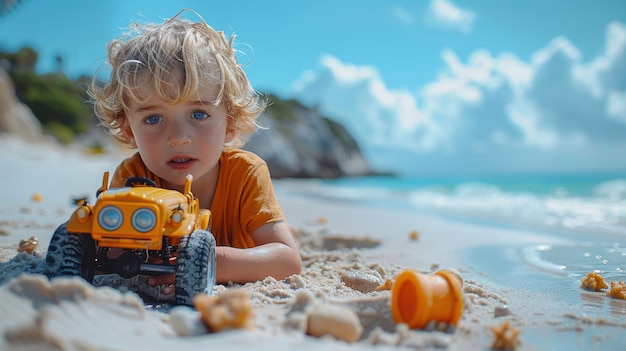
[[417, 298]]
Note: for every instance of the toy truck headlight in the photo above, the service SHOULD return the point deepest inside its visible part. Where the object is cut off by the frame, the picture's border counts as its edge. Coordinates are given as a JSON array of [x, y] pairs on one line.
[[83, 213], [143, 220], [110, 218], [177, 216]]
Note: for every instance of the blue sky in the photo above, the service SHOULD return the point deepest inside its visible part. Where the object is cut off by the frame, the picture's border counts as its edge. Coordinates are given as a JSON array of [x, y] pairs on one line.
[[429, 86]]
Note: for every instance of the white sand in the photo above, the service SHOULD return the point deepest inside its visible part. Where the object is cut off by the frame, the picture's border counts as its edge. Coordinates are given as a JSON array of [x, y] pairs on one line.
[[346, 249]]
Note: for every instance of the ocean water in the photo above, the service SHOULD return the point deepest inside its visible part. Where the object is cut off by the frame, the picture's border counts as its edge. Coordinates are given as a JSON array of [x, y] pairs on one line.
[[595, 204], [589, 210]]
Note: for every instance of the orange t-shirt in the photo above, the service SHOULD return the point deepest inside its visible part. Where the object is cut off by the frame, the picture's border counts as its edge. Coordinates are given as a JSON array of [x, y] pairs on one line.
[[244, 198]]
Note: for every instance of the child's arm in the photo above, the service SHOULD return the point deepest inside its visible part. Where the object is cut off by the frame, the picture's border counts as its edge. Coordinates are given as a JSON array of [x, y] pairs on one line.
[[276, 254]]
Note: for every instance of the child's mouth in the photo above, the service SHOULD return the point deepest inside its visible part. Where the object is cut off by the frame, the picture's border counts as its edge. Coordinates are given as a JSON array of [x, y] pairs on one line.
[[182, 163], [180, 160]]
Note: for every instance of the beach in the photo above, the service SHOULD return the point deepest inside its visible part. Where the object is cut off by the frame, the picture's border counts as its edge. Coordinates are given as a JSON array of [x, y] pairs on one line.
[[510, 275]]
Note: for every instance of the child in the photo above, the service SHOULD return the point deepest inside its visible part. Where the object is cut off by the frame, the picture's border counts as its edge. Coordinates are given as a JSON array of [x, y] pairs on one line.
[[178, 95]]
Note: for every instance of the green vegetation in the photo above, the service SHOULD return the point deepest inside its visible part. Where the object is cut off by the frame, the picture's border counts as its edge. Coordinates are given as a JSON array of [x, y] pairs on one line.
[[340, 132], [284, 110], [59, 103]]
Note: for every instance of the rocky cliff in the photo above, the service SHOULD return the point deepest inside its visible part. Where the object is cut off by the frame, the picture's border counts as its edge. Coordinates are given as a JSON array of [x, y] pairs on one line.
[[299, 142], [15, 117]]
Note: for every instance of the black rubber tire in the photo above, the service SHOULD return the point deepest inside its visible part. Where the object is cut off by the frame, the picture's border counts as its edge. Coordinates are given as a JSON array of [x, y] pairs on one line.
[[133, 181], [70, 255], [195, 266]]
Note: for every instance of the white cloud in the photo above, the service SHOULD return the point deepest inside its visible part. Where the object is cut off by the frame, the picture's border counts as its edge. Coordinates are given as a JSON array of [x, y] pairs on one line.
[[403, 15], [492, 112], [616, 105], [445, 14], [357, 97]]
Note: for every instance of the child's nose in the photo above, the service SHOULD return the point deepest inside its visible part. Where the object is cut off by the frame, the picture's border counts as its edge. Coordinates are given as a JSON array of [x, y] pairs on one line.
[[178, 136]]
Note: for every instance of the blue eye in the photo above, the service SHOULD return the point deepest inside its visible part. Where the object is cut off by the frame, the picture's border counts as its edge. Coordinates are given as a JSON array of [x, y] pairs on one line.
[[154, 119], [199, 115]]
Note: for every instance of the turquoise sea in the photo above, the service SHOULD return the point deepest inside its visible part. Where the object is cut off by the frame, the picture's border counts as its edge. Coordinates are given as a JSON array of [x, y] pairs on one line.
[[585, 203]]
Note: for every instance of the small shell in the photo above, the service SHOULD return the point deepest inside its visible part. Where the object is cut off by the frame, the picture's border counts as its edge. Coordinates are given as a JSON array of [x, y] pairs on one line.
[[230, 310], [29, 245], [594, 282], [618, 290], [501, 311], [338, 321], [386, 285], [363, 281], [505, 337], [186, 321]]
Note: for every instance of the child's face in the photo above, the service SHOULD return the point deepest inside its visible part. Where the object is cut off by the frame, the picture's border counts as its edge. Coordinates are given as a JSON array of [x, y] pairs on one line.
[[181, 139]]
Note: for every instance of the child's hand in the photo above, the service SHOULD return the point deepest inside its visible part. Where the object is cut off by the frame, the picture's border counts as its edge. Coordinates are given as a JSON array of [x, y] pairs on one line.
[[167, 280]]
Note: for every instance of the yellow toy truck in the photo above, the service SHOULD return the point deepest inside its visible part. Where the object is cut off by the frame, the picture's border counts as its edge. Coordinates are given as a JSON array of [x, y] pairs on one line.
[[138, 229]]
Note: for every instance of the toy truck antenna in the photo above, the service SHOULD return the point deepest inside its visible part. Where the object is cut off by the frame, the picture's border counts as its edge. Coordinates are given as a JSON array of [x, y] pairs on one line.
[[105, 182], [188, 181]]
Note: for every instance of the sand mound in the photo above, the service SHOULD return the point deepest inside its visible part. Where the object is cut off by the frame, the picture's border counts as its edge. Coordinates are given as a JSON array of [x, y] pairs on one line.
[[69, 314]]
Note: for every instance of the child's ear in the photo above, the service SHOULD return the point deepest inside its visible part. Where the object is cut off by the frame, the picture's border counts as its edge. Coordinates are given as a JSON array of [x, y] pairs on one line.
[[230, 135], [127, 132]]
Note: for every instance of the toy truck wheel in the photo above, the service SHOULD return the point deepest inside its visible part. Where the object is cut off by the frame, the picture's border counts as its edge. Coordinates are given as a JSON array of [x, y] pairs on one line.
[[195, 266], [70, 255], [133, 181]]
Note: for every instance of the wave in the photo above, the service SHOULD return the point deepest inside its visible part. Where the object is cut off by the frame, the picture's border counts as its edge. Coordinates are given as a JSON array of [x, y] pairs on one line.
[[576, 260], [571, 204], [604, 210]]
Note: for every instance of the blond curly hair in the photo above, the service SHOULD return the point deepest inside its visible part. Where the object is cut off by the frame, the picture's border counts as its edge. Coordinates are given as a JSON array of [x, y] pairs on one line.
[[151, 54]]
